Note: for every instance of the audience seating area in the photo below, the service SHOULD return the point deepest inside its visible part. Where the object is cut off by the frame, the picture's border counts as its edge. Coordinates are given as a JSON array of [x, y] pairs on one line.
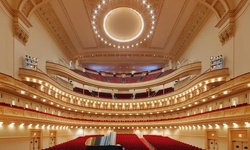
[[123, 95], [130, 142], [76, 144], [163, 143], [122, 78]]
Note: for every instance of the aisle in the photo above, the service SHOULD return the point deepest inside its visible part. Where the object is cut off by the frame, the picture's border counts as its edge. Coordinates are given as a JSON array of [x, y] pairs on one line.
[[145, 143]]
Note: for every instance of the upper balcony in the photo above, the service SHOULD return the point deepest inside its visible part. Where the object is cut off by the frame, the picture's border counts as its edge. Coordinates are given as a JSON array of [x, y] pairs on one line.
[[57, 69]]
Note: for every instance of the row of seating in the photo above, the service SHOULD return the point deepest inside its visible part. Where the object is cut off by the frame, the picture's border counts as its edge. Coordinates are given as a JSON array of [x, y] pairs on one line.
[[123, 95], [130, 142], [75, 144], [107, 77], [163, 143]]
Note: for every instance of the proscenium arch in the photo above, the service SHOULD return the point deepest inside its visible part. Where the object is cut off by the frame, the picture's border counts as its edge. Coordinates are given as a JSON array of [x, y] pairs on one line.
[[28, 7]]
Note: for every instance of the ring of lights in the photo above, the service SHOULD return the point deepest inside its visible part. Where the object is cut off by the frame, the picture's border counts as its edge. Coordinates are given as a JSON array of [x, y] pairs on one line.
[[142, 10], [127, 19]]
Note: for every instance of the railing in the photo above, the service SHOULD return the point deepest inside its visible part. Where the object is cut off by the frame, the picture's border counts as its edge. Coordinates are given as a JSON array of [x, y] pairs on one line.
[[189, 69], [240, 112]]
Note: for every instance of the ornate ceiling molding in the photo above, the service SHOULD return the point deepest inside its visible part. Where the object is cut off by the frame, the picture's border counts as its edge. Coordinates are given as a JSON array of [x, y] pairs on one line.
[[193, 26], [20, 23], [227, 33], [20, 32], [121, 54], [27, 7], [226, 24], [51, 21], [219, 7]]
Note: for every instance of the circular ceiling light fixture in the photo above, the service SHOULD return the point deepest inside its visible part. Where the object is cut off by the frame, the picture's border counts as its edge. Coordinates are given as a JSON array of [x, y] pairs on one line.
[[123, 27], [123, 24]]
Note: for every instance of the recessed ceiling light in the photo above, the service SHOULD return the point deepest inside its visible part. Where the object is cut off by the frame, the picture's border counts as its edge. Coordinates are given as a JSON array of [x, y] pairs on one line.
[[225, 92], [150, 13]]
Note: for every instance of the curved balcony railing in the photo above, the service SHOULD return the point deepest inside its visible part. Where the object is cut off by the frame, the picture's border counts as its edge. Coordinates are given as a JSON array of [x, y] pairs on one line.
[[199, 82], [234, 86], [53, 68], [239, 113]]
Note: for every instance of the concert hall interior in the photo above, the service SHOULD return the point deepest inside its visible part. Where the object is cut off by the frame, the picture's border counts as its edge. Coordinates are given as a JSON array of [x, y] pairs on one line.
[[158, 74]]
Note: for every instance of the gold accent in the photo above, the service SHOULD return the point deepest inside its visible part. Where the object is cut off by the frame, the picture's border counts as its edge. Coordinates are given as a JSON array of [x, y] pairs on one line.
[[20, 32], [227, 33], [28, 117], [226, 23], [219, 7], [27, 7]]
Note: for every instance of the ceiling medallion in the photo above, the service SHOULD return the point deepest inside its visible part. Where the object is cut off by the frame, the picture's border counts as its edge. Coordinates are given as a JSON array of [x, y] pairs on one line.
[[123, 24], [126, 24]]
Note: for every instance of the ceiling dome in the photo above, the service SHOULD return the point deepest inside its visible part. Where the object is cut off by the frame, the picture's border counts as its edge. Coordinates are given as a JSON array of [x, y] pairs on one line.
[[123, 24]]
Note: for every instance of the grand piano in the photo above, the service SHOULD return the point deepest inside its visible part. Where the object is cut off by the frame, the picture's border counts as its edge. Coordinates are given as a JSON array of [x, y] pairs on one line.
[[103, 143]]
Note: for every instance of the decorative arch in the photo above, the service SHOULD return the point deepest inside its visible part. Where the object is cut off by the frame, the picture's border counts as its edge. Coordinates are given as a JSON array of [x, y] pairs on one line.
[[218, 7], [224, 10], [27, 7]]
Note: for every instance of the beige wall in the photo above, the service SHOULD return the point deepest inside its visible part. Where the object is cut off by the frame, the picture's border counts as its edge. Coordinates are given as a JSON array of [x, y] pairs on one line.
[[6, 43], [40, 45], [242, 43], [235, 51], [15, 137], [207, 44], [192, 135]]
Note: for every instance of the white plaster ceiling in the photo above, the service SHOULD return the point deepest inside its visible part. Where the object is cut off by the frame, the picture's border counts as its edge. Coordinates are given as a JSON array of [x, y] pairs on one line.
[[171, 16]]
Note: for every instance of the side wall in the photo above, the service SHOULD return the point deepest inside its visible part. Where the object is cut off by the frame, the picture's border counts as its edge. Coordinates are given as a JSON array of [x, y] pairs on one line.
[[40, 45], [235, 51], [20, 135]]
